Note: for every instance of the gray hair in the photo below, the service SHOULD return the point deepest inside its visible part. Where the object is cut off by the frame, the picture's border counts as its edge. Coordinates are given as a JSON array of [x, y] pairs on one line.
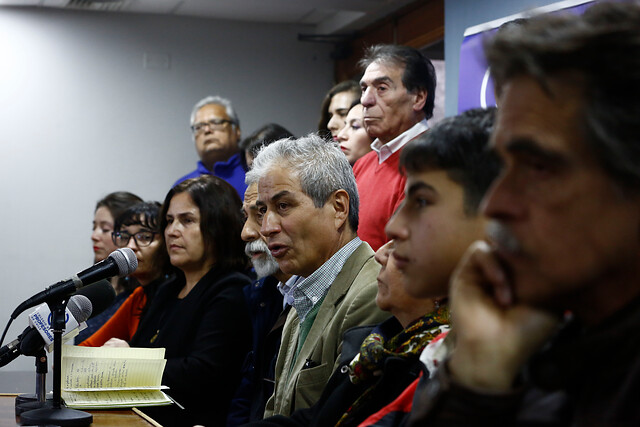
[[419, 72], [319, 165], [603, 47], [216, 100]]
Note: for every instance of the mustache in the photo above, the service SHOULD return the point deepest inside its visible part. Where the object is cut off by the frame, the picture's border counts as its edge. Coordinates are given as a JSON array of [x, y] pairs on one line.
[[501, 236], [264, 265], [256, 246]]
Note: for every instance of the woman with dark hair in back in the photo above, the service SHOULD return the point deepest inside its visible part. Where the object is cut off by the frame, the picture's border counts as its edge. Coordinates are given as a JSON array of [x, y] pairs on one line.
[[138, 228], [353, 138], [335, 106], [107, 210], [200, 316], [271, 132]]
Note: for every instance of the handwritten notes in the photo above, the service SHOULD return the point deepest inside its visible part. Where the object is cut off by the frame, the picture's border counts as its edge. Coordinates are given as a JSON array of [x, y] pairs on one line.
[[102, 377]]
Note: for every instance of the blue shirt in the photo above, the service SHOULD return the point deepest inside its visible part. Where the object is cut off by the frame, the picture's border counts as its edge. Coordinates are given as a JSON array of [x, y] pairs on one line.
[[312, 289], [231, 171]]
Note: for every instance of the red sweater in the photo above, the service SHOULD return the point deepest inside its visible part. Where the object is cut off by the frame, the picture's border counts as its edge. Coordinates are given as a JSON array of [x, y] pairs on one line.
[[123, 324], [381, 189]]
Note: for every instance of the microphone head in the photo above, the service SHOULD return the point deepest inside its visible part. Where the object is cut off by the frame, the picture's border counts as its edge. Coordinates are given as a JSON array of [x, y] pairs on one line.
[[101, 295], [126, 261], [80, 307]]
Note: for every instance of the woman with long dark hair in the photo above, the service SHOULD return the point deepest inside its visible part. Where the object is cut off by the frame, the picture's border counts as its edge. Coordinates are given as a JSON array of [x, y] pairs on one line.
[[200, 317]]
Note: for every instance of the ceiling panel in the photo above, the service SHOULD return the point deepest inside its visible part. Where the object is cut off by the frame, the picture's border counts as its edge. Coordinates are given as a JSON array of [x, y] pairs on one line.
[[328, 16], [245, 10], [154, 6], [20, 2]]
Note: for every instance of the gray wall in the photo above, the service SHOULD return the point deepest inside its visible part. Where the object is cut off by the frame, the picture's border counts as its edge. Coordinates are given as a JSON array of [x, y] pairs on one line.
[[461, 14], [81, 117]]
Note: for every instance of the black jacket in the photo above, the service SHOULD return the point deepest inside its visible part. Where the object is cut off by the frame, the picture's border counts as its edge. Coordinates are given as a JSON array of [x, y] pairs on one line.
[[206, 336], [583, 377], [258, 372]]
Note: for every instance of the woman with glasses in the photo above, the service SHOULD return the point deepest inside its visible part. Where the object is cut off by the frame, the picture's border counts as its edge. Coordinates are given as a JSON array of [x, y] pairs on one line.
[[137, 228], [200, 317]]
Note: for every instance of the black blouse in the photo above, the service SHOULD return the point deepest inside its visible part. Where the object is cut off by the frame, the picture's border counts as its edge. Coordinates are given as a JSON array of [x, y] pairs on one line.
[[206, 335]]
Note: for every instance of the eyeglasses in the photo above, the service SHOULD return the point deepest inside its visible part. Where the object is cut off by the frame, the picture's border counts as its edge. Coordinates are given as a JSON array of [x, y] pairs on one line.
[[142, 238], [215, 124]]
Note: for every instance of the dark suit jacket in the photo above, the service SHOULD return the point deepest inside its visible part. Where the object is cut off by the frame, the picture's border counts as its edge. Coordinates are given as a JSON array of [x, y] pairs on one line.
[[258, 373], [206, 336]]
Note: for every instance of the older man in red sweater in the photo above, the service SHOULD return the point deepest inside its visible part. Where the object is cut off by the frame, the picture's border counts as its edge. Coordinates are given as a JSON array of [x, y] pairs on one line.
[[398, 90]]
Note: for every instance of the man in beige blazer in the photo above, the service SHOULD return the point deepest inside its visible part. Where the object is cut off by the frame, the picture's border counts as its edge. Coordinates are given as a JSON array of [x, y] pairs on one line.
[[308, 202]]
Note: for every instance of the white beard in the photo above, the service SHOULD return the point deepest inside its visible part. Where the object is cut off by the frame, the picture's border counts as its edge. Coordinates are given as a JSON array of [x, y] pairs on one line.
[[265, 265]]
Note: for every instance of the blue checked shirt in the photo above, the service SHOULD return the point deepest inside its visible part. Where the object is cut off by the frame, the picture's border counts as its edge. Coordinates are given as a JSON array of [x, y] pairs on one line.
[[313, 288]]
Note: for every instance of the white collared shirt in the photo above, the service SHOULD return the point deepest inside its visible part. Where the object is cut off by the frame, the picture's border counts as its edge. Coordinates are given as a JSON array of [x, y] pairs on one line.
[[385, 151], [287, 288]]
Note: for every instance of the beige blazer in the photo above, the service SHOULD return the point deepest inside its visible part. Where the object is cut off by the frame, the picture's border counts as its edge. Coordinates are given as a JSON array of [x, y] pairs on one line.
[[350, 301]]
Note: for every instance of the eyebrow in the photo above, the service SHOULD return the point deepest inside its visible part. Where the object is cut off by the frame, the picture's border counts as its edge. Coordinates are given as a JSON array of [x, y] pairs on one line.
[[283, 193], [420, 185], [142, 228], [378, 80], [280, 195], [182, 214], [528, 147]]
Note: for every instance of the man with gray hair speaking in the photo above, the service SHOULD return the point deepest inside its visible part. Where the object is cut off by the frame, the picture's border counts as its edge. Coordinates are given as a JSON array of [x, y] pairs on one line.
[[216, 131], [308, 200]]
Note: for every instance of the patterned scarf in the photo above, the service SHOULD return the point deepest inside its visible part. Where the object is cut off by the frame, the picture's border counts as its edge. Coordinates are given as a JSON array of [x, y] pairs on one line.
[[408, 344]]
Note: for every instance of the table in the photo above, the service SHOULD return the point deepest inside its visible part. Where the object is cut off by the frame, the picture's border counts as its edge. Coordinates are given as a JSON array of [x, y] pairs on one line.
[[118, 417]]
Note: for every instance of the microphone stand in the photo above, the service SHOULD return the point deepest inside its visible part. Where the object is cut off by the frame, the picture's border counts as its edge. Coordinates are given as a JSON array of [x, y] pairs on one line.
[[57, 415], [27, 402]]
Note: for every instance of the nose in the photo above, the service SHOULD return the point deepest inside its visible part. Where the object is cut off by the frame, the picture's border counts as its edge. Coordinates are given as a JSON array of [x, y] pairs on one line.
[[333, 125], [503, 200], [396, 228], [367, 99], [382, 254], [270, 224], [132, 243], [207, 127], [343, 134], [249, 232], [171, 230], [94, 235]]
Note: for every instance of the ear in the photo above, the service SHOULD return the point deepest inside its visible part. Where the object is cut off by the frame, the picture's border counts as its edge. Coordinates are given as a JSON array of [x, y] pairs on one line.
[[340, 203], [419, 99]]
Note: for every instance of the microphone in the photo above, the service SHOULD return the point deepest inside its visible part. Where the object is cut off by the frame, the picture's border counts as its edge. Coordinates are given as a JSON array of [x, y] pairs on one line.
[[38, 334], [78, 310], [120, 262], [99, 295]]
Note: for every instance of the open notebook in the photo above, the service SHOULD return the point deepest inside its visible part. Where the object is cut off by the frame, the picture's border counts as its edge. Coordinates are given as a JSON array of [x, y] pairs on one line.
[[102, 377]]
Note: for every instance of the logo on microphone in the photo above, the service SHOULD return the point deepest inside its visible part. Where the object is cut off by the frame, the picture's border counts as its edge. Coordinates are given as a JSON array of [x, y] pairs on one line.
[[66, 318]]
